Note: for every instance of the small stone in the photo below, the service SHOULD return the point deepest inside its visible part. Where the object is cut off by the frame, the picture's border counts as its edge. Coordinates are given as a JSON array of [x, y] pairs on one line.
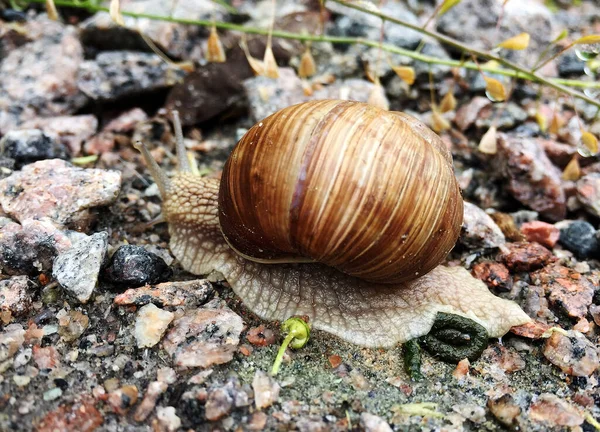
[[523, 256], [532, 178], [46, 358], [595, 313], [200, 377], [505, 358], [55, 189], [495, 275], [103, 142], [582, 326], [473, 412], [184, 293], [266, 390], [566, 289], [52, 394], [257, 421], [479, 230], [150, 325], [134, 266], [204, 337], [127, 121], [573, 353], [541, 232], [21, 380], [70, 131], [261, 336], [16, 295], [78, 417], [588, 192], [11, 339], [580, 238], [469, 112], [504, 409], [116, 74], [530, 330], [373, 423], [334, 360], [560, 154], [72, 325], [359, 382], [168, 419], [462, 369], [553, 411], [30, 248], [218, 404], [122, 399], [76, 270], [153, 392], [30, 145]]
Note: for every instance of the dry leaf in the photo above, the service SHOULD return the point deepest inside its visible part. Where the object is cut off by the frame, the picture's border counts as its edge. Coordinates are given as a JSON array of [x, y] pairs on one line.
[[256, 65], [555, 125], [495, 90], [447, 5], [115, 12], [438, 122], [377, 98], [572, 170], [542, 121], [406, 74], [589, 39], [215, 52], [489, 142], [270, 65], [589, 141], [448, 102], [307, 65], [518, 42], [51, 10]]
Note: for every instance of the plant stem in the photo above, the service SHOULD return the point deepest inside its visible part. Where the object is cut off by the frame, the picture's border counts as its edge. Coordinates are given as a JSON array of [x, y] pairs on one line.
[[281, 352], [511, 70]]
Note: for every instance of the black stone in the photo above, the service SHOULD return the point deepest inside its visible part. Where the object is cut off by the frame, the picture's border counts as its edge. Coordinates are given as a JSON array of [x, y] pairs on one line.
[[134, 266], [570, 65], [30, 145], [580, 238]]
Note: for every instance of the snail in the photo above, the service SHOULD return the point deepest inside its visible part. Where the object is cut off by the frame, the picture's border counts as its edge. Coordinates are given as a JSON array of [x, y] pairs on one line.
[[338, 211]]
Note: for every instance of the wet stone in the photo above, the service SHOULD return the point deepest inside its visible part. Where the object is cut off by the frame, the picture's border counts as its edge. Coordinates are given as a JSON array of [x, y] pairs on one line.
[[134, 266], [495, 275], [479, 230], [46, 358], [532, 179], [373, 423], [150, 325], [523, 256], [204, 337], [70, 131], [588, 192], [30, 145], [184, 293], [167, 418], [72, 324], [30, 248], [541, 232], [16, 295], [122, 399], [572, 352], [127, 121], [530, 330], [266, 389], [153, 392], [218, 404], [116, 74], [553, 411], [55, 189], [468, 113], [76, 270], [580, 238], [504, 409], [80, 416], [11, 339], [261, 336], [566, 289]]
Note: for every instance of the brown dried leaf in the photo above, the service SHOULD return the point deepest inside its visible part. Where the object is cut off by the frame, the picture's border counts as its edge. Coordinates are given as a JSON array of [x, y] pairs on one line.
[[448, 102], [589, 39], [589, 141], [495, 90], [541, 120], [438, 122], [572, 170], [518, 42], [489, 142], [51, 10], [215, 52], [555, 124], [307, 65], [270, 65], [115, 12], [406, 74]]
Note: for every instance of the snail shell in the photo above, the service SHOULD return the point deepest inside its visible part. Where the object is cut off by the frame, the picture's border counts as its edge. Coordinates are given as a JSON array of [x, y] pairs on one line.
[[367, 191]]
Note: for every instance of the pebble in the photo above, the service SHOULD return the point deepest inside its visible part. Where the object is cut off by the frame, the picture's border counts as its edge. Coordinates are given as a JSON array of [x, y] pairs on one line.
[[46, 358], [588, 192], [266, 389], [569, 64], [595, 313], [184, 293], [373, 423], [52, 394], [46, 90], [553, 411], [524, 256], [261, 336], [76, 270], [72, 324], [150, 325], [566, 289], [559, 153], [479, 230], [70, 131], [580, 238], [504, 409], [468, 113], [21, 380], [153, 392], [530, 330], [31, 247], [541, 232], [462, 369], [204, 337], [505, 358], [81, 416], [16, 295], [168, 419], [532, 179], [100, 143], [495, 275], [134, 266], [218, 404], [117, 74], [55, 189], [126, 121], [122, 399], [573, 353], [30, 145], [257, 421], [505, 116]]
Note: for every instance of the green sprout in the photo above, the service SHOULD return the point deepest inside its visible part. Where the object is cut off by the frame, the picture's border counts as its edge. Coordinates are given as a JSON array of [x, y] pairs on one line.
[[298, 333]]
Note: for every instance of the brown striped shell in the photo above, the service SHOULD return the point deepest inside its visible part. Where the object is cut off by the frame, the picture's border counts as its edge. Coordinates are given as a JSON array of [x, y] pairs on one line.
[[367, 191]]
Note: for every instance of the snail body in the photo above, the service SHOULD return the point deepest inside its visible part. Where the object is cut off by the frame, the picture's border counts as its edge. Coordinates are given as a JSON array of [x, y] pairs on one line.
[[339, 211]]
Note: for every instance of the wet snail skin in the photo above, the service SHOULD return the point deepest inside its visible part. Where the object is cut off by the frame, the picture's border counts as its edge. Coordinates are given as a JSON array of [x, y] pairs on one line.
[[335, 210]]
